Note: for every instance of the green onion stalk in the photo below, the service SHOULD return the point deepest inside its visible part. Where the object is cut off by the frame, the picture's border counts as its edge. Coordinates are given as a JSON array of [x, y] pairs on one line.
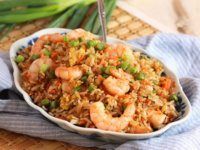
[[77, 18], [17, 16], [62, 19], [88, 26], [6, 5]]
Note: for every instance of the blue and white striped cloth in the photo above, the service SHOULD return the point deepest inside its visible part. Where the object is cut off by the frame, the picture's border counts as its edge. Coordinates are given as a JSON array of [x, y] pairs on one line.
[[179, 52]]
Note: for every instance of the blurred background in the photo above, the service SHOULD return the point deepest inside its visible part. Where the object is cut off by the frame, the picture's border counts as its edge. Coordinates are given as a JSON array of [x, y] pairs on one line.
[[167, 15]]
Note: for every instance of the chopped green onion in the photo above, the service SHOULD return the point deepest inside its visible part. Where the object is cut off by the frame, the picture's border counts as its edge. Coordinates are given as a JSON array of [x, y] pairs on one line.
[[88, 73], [91, 88], [120, 59], [132, 70], [100, 46], [74, 43], [174, 97], [105, 75], [80, 39], [35, 56], [124, 65], [45, 102], [103, 69], [19, 58], [140, 76], [155, 82], [53, 104], [78, 88], [123, 107], [108, 68], [65, 39], [44, 68], [84, 78], [91, 43], [52, 74], [47, 53]]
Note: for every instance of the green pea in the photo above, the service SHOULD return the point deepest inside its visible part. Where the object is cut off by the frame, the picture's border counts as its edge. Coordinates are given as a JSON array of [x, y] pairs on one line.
[[154, 91], [19, 58], [105, 75], [53, 104], [123, 107], [174, 97], [45, 102], [44, 68], [108, 68], [91, 43], [52, 74], [74, 43], [140, 76], [47, 53], [100, 46], [84, 78], [124, 65], [132, 70], [103, 69], [35, 56], [80, 39], [88, 73], [65, 39], [91, 88], [78, 88], [120, 59]]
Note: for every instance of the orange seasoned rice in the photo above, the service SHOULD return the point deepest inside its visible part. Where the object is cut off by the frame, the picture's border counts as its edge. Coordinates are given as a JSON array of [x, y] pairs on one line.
[[134, 77]]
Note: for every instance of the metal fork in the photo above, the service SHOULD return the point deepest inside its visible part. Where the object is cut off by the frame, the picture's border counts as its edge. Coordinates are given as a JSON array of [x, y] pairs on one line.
[[102, 18]]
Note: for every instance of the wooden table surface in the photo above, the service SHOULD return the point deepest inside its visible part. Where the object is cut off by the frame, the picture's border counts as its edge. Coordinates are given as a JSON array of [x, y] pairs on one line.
[[122, 25]]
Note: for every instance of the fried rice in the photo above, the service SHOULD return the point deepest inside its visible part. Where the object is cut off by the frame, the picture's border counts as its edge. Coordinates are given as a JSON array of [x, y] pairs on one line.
[[149, 88]]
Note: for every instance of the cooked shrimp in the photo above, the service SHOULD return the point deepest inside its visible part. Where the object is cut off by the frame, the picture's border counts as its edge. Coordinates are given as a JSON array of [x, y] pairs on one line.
[[80, 33], [35, 67], [156, 118], [120, 74], [38, 46], [105, 121], [120, 51], [69, 73], [140, 128], [114, 52], [116, 86]]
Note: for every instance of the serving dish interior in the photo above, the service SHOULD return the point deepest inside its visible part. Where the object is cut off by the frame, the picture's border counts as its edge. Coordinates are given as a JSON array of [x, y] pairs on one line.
[[182, 105]]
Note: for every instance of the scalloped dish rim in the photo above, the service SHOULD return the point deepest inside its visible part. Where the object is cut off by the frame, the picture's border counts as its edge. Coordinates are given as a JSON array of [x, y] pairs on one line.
[[108, 135]]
